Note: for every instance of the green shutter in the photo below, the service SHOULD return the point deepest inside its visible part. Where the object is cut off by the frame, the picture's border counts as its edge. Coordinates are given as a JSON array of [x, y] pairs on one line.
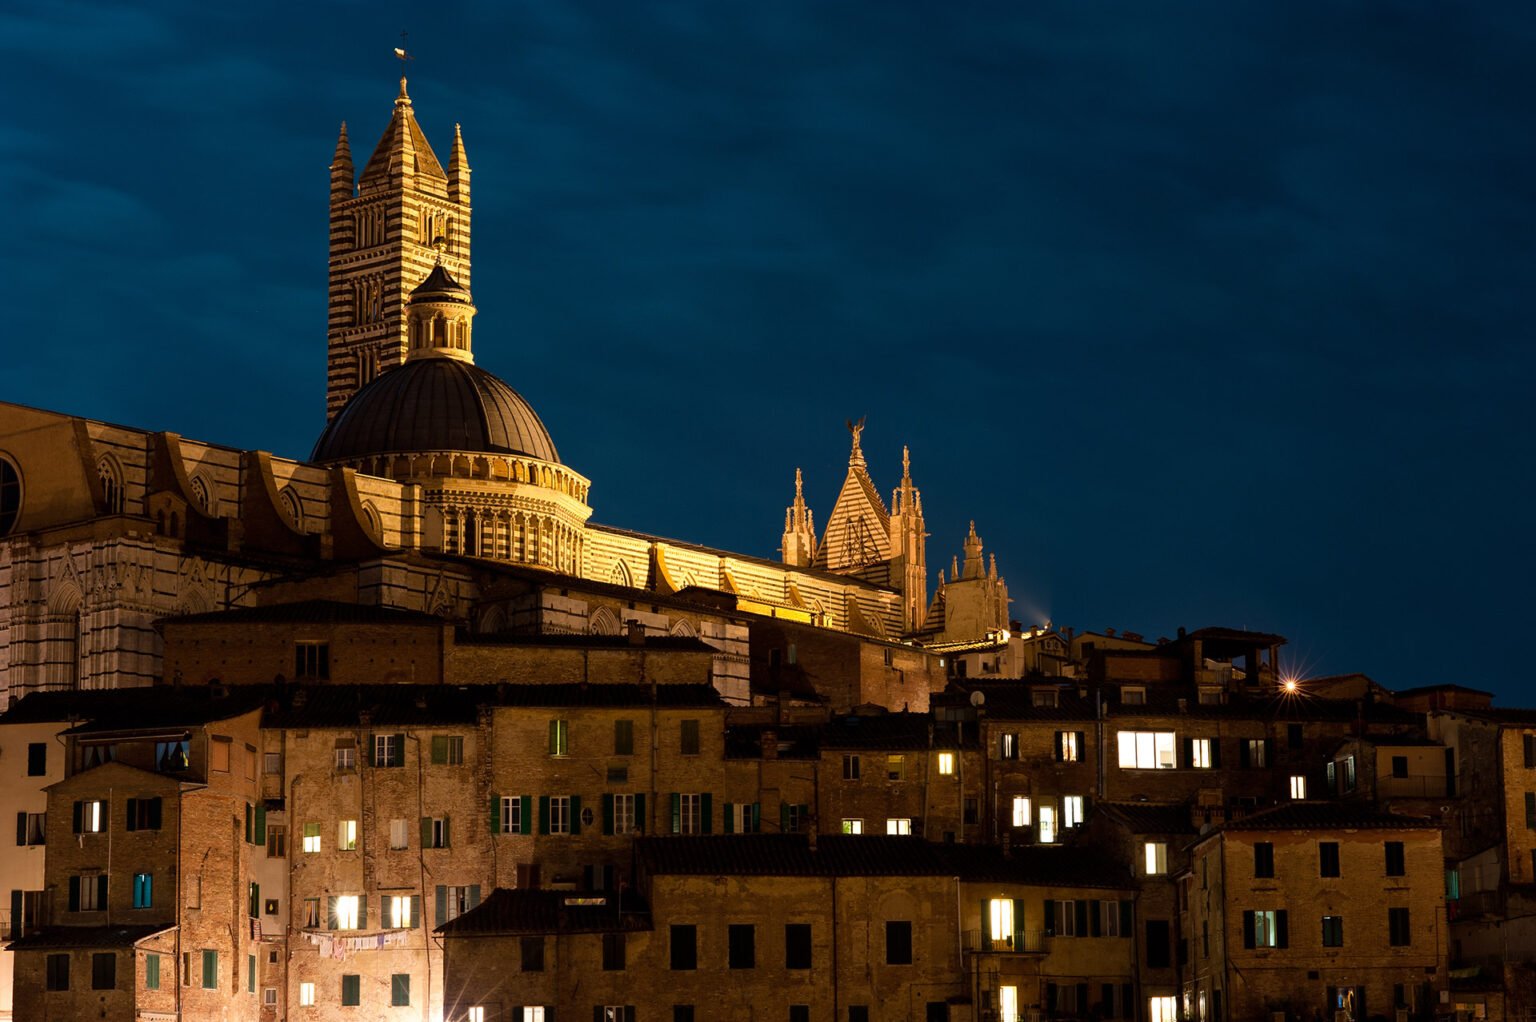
[[250, 973], [261, 823], [426, 832], [495, 814], [554, 737], [784, 817], [131, 822], [250, 822], [677, 813], [1050, 917], [439, 749], [707, 811], [757, 811], [397, 751], [416, 919], [1095, 918], [255, 900], [152, 971], [447, 832], [442, 905], [362, 913], [543, 814], [474, 895], [526, 814], [642, 823], [330, 912], [728, 822], [210, 970], [575, 814], [607, 813], [74, 892], [1127, 918], [1018, 924]]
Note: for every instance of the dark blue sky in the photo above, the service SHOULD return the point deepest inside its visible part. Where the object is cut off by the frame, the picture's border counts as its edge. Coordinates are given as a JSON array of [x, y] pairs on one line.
[[1206, 313]]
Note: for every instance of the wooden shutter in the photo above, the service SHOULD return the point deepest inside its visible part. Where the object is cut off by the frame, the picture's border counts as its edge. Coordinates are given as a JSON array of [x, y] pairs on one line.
[[154, 815], [439, 749], [1242, 753], [607, 813], [1058, 745], [1018, 924], [331, 921], [474, 895], [74, 893], [756, 821], [1050, 917], [132, 821], [79, 817], [677, 813], [727, 820], [21, 828], [527, 814], [495, 814], [543, 814], [575, 814], [426, 832], [1282, 930], [442, 905], [1248, 939], [1127, 917], [706, 812], [1080, 917], [261, 823], [1095, 919]]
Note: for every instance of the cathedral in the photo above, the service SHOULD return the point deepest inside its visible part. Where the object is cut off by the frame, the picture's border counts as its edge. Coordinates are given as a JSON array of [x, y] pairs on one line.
[[432, 482]]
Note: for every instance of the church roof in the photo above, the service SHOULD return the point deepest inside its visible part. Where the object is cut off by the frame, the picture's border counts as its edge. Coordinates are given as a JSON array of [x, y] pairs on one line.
[[403, 140], [435, 404], [859, 528]]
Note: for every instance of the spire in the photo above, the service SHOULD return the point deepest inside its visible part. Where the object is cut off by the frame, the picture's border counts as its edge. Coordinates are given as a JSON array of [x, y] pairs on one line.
[[858, 531], [856, 456], [458, 169], [973, 562], [799, 546], [341, 167], [992, 567], [403, 152]]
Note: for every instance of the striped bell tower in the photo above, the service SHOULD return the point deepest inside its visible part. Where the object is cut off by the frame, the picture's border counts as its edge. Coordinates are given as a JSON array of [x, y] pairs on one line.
[[388, 227]]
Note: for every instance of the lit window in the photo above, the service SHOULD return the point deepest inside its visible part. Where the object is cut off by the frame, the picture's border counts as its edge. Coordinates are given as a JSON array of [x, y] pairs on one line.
[[1147, 750], [1298, 786], [1202, 756], [1000, 916], [1072, 811], [895, 767], [1163, 1009], [1008, 745], [1155, 856], [90, 817], [306, 994], [946, 763], [434, 832], [346, 835], [559, 737], [1020, 811], [899, 825], [459, 900], [312, 912], [1266, 925], [1047, 824], [853, 826], [399, 834], [311, 838], [1069, 746], [448, 750], [400, 911], [346, 912], [477, 1014], [1008, 1003], [851, 767]]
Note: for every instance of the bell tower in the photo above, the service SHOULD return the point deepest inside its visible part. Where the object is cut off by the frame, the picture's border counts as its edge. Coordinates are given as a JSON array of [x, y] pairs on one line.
[[401, 217]]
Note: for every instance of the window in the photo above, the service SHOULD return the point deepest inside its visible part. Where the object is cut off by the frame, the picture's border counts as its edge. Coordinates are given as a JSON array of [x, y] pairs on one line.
[[455, 901], [1147, 750], [1263, 859], [1069, 746], [1397, 927], [104, 970], [398, 912], [682, 1013], [970, 810], [388, 750], [346, 755], [1293, 736], [172, 757], [351, 990], [435, 832], [1400, 766], [741, 946], [346, 835], [1072, 813], [797, 945], [512, 817], [1349, 773], [312, 912], [58, 965], [851, 766], [896, 767], [1298, 786], [1115, 921], [37, 756], [1202, 756], [143, 890], [1047, 817], [151, 971], [306, 995], [1163, 1009], [346, 910], [531, 951], [1264, 928], [793, 817], [1062, 918], [614, 1013], [312, 660], [853, 826], [946, 763], [1155, 858], [1327, 858], [559, 737], [400, 989], [743, 817], [210, 970], [399, 834], [1008, 1003], [560, 814], [689, 745], [1255, 752], [623, 738], [1333, 931], [1396, 867], [689, 816], [30, 828], [271, 907], [1008, 745], [898, 942], [899, 825], [624, 813], [448, 750], [311, 838], [90, 817], [802, 1012], [1000, 920], [684, 947], [88, 892], [1133, 696], [269, 997], [1021, 813], [1042, 697], [613, 951]]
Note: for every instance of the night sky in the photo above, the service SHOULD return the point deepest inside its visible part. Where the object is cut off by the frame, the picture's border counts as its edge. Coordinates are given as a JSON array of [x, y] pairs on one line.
[[1208, 314]]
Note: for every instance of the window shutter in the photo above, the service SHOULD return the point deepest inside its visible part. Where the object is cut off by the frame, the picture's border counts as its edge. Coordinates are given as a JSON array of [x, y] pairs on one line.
[[495, 813], [1248, 940], [543, 814], [527, 814], [261, 823], [74, 894], [1050, 997], [1095, 919], [1127, 917], [677, 813], [416, 919], [1216, 753], [439, 749], [784, 817], [154, 814], [757, 808], [554, 737], [79, 817], [1050, 917], [1018, 924], [1189, 753], [362, 913], [1058, 745], [1080, 917], [1082, 745], [397, 751], [575, 814], [1282, 930], [1530, 809], [132, 822], [21, 828], [250, 822], [1242, 753], [330, 912], [1082, 997], [442, 905], [1127, 1000], [101, 890], [607, 813], [706, 812], [16, 914], [642, 822], [1269, 752], [447, 832], [597, 1013], [426, 832], [474, 895], [1530, 750], [517, 1014], [727, 823]]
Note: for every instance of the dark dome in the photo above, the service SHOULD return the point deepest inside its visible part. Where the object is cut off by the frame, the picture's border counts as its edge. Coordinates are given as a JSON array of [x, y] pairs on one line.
[[435, 404]]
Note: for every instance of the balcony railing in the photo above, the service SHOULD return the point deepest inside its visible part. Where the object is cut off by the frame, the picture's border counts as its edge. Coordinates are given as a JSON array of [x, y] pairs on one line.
[[1422, 786], [981, 941]]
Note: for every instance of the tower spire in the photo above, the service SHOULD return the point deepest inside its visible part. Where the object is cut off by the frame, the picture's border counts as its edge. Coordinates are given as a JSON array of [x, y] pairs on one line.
[[341, 168], [799, 547]]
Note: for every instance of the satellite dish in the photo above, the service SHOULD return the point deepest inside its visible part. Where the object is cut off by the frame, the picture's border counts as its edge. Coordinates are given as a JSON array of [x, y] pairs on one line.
[[977, 698]]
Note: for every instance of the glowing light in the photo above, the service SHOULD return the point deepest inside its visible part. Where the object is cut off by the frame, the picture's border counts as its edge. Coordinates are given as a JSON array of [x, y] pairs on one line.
[[1290, 684]]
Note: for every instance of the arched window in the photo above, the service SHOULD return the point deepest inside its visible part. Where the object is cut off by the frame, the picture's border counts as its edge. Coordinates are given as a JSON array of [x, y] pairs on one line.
[[291, 505], [10, 496], [201, 496], [111, 486]]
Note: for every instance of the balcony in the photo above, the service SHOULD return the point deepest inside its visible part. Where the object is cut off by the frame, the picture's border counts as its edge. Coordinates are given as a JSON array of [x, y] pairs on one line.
[[982, 942], [1421, 786]]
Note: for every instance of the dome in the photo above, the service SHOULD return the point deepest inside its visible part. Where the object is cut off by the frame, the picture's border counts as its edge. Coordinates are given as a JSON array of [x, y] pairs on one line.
[[435, 404]]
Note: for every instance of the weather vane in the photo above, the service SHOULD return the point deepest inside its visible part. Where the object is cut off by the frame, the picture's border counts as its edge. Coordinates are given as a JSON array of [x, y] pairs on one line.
[[403, 54]]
